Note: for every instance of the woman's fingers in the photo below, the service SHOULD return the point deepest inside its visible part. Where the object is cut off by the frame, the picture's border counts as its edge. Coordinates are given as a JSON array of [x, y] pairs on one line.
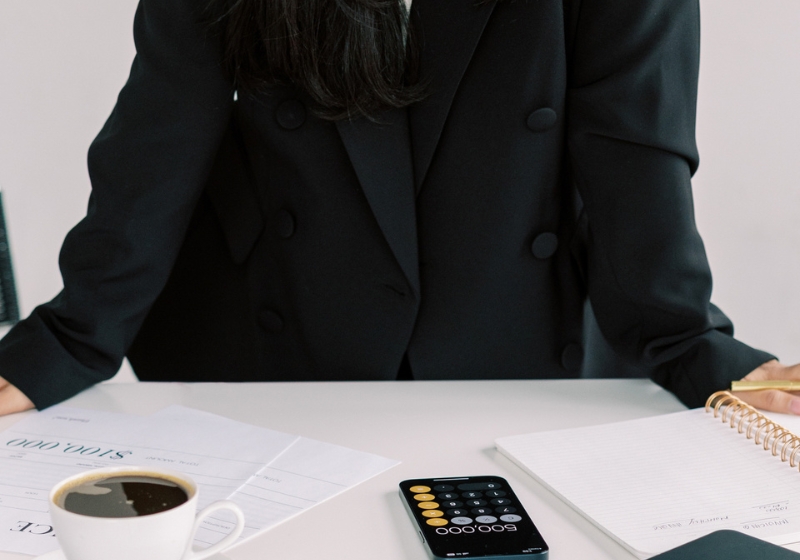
[[774, 401], [12, 399]]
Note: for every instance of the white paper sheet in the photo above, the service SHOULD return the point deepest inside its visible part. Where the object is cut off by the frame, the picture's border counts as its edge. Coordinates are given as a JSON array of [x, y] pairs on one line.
[[227, 459], [306, 474]]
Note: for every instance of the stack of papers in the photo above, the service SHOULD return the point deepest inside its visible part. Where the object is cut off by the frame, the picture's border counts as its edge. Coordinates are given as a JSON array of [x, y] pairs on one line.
[[271, 475]]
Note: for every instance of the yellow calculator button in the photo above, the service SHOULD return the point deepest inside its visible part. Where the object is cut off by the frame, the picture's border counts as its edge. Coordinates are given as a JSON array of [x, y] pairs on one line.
[[432, 513], [428, 505], [437, 522], [419, 489], [424, 497]]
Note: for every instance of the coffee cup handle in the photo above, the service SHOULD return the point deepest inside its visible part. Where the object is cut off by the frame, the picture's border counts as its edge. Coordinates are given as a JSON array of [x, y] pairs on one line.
[[229, 539]]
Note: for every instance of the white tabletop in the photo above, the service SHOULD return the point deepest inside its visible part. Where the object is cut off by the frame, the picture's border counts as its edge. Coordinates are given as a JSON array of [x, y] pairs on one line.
[[437, 429]]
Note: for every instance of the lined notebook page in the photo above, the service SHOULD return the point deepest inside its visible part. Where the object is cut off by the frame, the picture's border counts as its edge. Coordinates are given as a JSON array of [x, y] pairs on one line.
[[656, 483]]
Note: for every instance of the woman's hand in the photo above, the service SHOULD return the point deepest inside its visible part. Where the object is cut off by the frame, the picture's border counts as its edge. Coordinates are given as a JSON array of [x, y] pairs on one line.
[[775, 401], [12, 399]]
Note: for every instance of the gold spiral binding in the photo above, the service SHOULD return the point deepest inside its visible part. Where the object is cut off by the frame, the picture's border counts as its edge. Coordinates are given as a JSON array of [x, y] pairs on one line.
[[763, 431]]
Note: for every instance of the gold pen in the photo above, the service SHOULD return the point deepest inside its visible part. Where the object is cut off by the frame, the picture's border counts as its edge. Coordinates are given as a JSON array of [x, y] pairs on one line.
[[759, 385]]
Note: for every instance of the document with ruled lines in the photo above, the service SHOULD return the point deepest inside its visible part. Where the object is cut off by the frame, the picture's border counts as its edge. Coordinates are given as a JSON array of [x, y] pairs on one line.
[[655, 483], [271, 475]]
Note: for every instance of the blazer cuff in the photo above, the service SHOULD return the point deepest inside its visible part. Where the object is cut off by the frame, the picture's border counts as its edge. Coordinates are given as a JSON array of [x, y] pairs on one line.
[[710, 366], [34, 360]]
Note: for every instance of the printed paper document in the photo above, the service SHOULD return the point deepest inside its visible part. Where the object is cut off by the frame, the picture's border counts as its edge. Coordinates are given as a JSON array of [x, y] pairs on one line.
[[271, 475]]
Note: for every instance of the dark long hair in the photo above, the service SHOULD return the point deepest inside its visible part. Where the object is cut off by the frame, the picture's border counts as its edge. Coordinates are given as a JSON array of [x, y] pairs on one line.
[[352, 57]]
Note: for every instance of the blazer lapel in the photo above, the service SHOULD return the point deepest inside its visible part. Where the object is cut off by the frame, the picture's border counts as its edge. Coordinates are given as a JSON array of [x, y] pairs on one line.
[[381, 156], [448, 31]]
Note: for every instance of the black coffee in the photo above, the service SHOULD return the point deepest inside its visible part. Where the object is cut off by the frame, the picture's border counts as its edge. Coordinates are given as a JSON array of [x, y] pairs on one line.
[[123, 496]]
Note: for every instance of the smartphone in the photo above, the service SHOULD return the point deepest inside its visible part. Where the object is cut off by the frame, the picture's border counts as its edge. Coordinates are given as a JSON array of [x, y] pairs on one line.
[[472, 517]]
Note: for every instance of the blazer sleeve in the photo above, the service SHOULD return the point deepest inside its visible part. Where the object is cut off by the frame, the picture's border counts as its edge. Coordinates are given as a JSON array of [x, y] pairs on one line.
[[147, 168], [631, 119]]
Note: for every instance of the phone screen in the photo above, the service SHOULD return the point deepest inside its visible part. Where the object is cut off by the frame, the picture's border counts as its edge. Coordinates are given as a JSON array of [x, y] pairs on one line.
[[471, 517]]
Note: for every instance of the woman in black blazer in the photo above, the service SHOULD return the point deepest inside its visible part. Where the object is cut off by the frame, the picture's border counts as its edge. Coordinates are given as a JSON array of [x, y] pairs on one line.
[[447, 221]]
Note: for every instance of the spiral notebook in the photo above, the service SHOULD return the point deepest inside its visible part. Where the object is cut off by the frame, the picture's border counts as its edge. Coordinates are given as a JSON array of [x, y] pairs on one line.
[[656, 483]]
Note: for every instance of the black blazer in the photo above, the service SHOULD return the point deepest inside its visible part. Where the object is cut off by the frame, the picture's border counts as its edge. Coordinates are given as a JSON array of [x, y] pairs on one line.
[[551, 161]]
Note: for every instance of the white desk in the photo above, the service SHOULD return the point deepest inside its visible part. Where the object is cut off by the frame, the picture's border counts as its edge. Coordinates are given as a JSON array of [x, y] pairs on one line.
[[435, 429]]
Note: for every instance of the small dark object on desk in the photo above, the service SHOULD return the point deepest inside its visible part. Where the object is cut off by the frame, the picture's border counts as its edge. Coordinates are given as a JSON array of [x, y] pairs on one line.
[[728, 545], [9, 309]]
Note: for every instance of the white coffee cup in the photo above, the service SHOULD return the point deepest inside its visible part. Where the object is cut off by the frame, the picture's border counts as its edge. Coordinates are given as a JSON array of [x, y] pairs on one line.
[[166, 535]]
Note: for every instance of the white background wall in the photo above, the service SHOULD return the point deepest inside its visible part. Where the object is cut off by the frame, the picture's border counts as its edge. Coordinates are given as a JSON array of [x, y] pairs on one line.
[[62, 63], [747, 189]]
